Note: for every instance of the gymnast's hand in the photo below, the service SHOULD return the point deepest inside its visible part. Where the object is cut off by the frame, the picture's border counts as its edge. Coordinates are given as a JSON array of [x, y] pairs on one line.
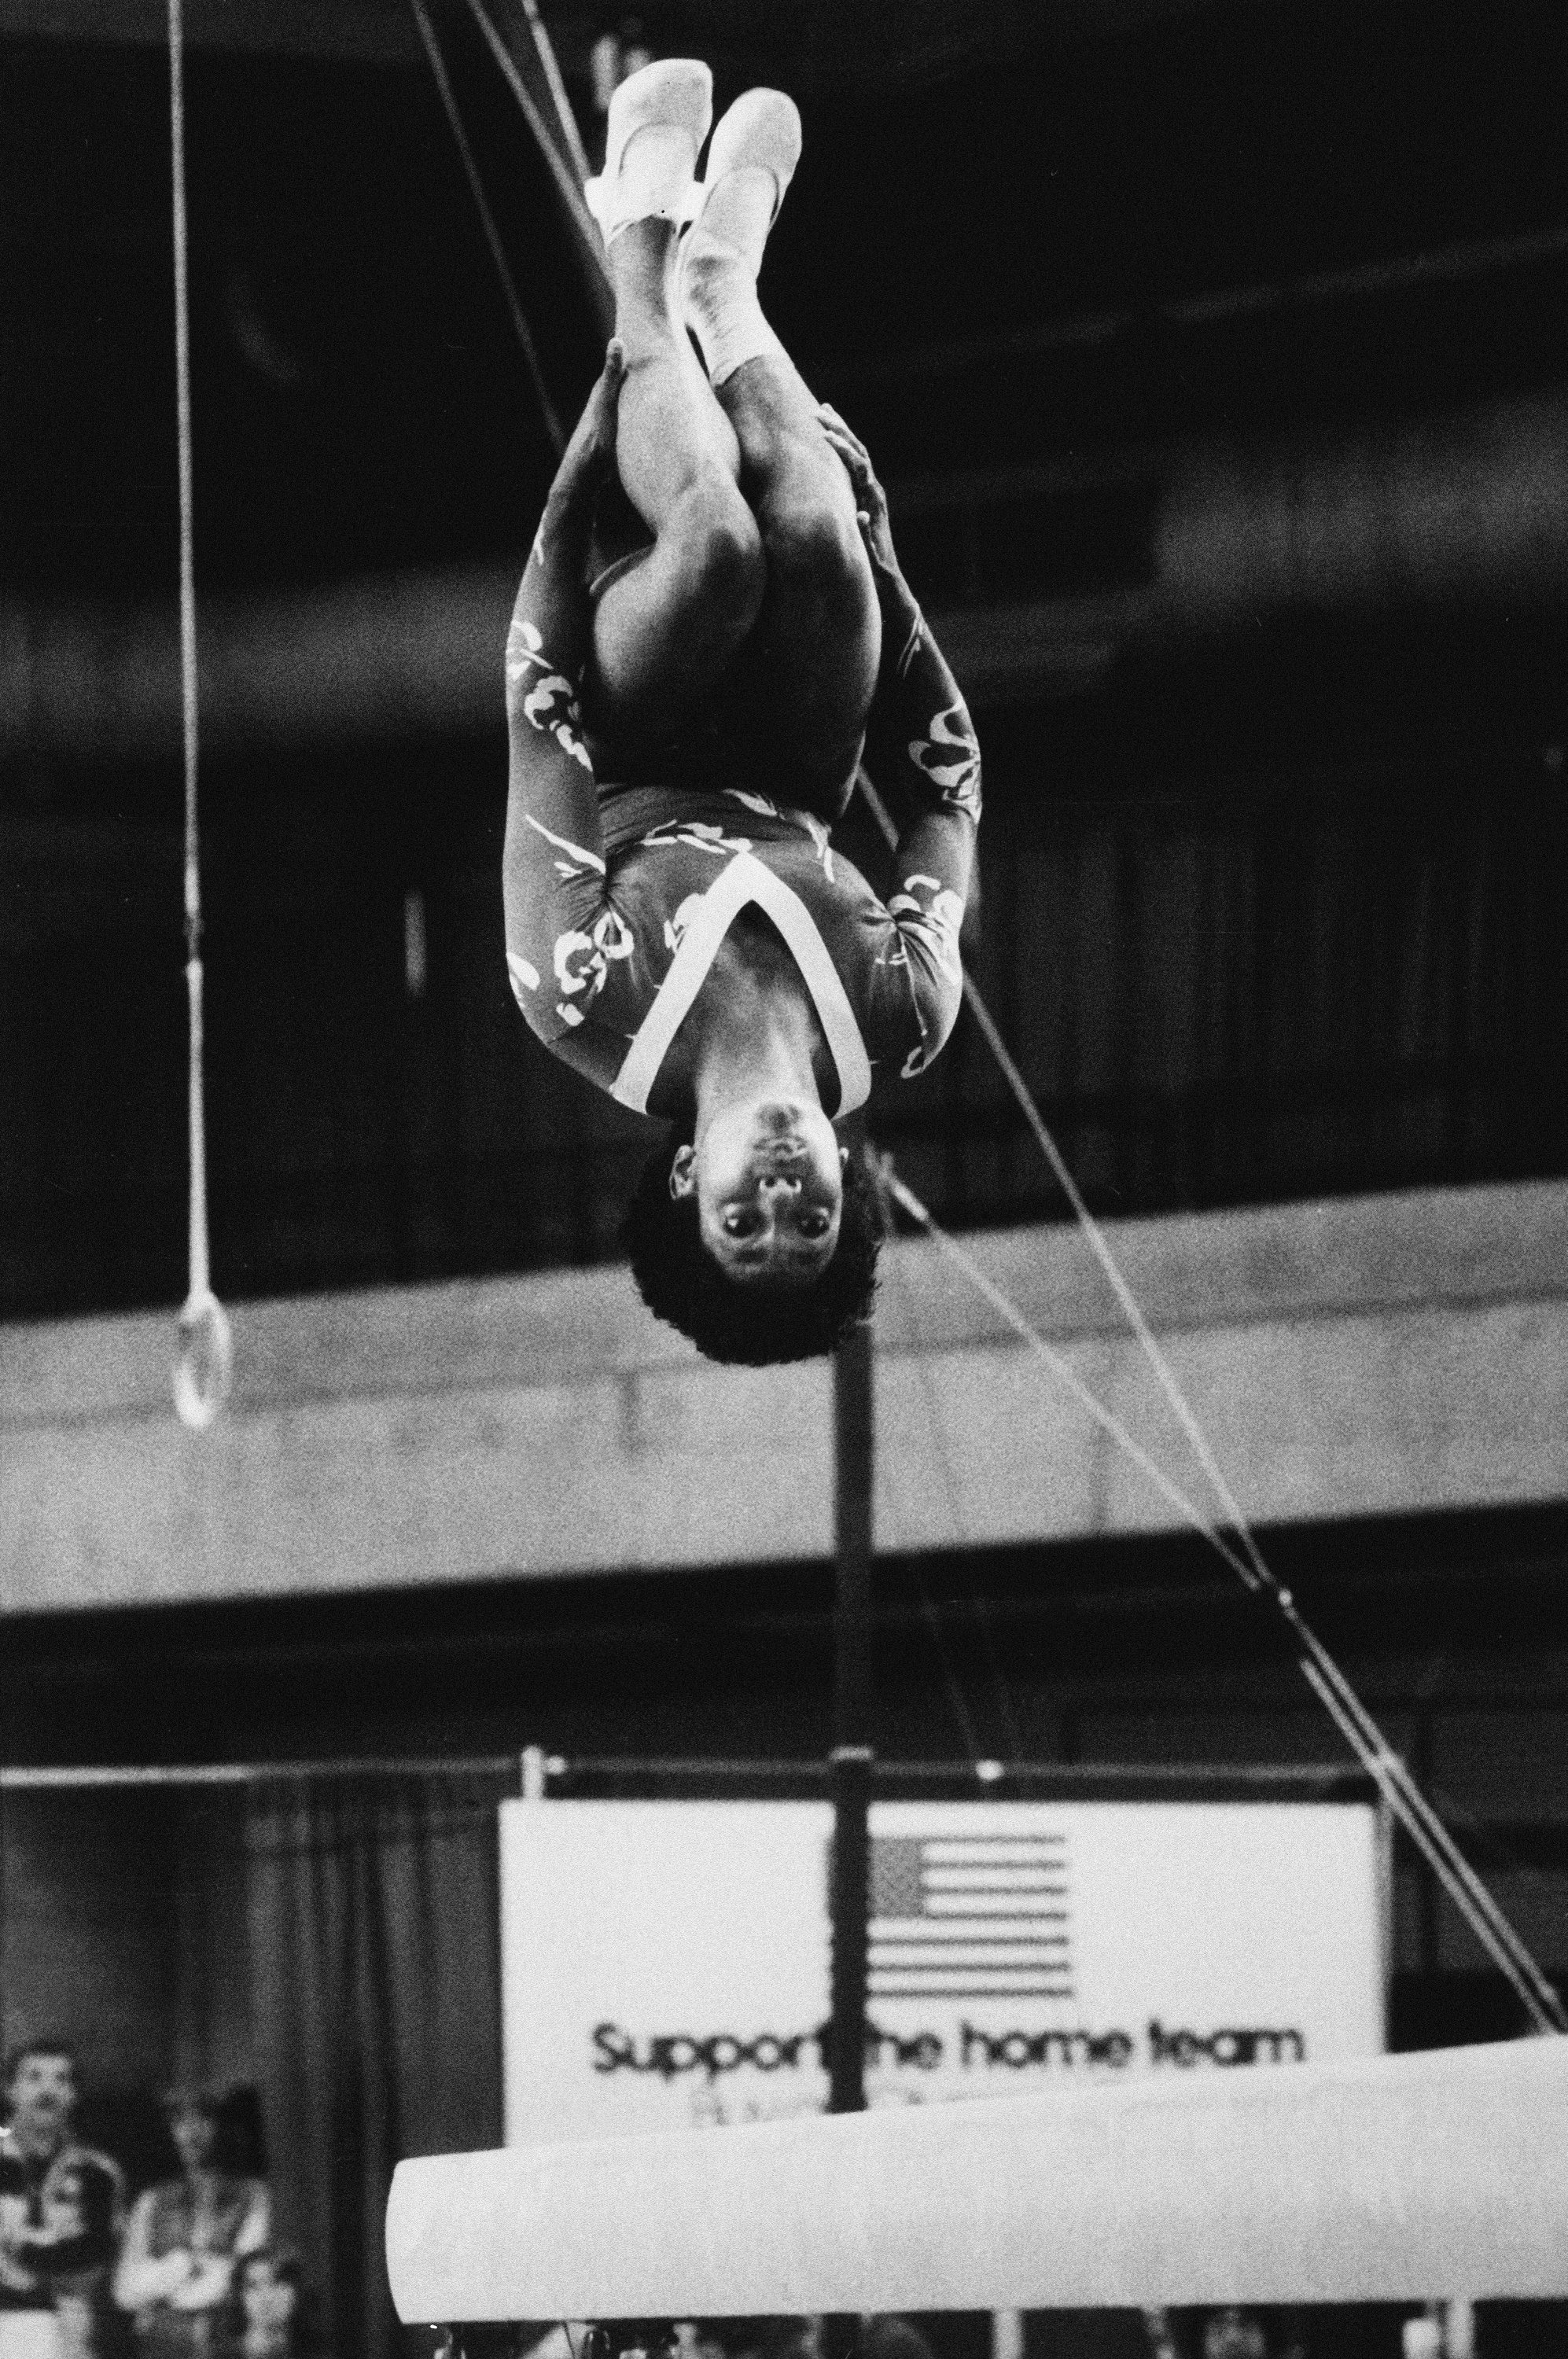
[[589, 459], [870, 499]]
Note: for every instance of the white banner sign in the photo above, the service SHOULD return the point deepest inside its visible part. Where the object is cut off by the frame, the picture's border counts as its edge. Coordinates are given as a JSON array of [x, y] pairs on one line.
[[666, 1963]]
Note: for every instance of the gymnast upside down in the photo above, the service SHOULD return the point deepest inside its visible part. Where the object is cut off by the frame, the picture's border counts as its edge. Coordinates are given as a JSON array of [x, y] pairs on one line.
[[687, 936]]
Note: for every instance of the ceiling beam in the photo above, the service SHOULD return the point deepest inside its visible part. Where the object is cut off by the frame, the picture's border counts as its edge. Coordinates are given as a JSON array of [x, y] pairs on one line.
[[805, 44], [371, 32]]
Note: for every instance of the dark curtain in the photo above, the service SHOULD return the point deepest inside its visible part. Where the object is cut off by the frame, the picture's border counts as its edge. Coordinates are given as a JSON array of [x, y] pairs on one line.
[[374, 1936]]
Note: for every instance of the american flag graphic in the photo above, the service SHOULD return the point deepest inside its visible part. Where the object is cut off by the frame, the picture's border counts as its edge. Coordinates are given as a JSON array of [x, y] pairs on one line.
[[970, 1916]]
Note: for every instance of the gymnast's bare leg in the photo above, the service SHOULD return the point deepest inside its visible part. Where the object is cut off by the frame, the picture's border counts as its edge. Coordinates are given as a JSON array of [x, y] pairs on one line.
[[806, 673], [755, 597], [666, 630]]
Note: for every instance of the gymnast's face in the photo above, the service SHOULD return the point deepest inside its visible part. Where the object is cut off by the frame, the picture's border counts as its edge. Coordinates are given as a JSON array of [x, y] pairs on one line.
[[767, 1175]]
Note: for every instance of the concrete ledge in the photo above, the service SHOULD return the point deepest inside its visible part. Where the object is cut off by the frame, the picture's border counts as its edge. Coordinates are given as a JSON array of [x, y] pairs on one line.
[[1389, 1354]]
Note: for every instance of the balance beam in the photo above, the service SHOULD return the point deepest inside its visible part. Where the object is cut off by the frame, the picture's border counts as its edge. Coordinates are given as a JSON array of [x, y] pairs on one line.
[[1399, 2178]]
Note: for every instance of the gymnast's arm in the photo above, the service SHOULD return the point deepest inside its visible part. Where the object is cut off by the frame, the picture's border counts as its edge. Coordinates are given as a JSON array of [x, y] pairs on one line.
[[552, 867], [921, 715]]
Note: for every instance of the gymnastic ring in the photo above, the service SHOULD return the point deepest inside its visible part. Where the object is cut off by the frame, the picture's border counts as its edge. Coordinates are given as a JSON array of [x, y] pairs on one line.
[[205, 1367]]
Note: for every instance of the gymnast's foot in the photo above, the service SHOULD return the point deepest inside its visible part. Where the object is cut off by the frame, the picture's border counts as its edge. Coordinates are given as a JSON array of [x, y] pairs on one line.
[[750, 165], [658, 120]]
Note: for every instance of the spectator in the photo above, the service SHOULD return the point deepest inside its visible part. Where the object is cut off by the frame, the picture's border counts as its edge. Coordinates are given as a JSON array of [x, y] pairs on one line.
[[267, 2317], [176, 2273], [61, 2207]]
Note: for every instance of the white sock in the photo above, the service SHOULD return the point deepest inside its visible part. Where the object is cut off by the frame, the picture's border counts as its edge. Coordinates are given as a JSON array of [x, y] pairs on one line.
[[718, 272]]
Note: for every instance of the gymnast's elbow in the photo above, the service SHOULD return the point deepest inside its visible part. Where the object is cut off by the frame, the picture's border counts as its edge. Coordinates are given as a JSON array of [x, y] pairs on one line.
[[553, 1007], [936, 1011], [942, 1014], [536, 1002]]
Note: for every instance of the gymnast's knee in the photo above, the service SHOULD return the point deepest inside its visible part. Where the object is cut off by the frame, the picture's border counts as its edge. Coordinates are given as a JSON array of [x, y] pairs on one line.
[[724, 572], [815, 554]]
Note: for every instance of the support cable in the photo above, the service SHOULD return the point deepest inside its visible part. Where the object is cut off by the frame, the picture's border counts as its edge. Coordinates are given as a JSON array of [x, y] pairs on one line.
[[1360, 1731], [203, 1369], [572, 138], [487, 222], [568, 176]]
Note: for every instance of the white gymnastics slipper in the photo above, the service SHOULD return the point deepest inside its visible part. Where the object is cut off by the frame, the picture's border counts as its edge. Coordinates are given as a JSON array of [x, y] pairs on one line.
[[658, 120], [751, 163]]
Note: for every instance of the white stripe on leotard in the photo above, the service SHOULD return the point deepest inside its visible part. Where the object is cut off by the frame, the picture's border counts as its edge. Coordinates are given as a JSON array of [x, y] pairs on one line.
[[746, 879]]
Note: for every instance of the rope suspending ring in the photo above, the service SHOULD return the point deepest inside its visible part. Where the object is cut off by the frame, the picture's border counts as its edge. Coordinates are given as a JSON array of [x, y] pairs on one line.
[[204, 1366]]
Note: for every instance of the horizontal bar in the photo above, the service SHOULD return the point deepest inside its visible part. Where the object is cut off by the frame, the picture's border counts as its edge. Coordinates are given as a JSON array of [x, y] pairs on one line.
[[611, 1779], [633, 1780]]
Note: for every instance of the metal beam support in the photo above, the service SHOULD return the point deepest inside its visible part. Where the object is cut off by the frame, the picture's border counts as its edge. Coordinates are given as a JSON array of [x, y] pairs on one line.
[[854, 1473], [851, 1763]]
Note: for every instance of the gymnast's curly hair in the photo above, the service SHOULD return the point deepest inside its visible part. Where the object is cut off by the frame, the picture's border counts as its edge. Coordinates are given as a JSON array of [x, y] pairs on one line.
[[753, 1325]]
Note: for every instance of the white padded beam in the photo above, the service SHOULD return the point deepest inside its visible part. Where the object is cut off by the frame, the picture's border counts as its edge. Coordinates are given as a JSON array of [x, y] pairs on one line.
[[1399, 2178]]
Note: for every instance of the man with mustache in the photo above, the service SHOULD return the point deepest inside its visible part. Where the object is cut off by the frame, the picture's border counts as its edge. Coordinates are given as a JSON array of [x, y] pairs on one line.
[[61, 2207]]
